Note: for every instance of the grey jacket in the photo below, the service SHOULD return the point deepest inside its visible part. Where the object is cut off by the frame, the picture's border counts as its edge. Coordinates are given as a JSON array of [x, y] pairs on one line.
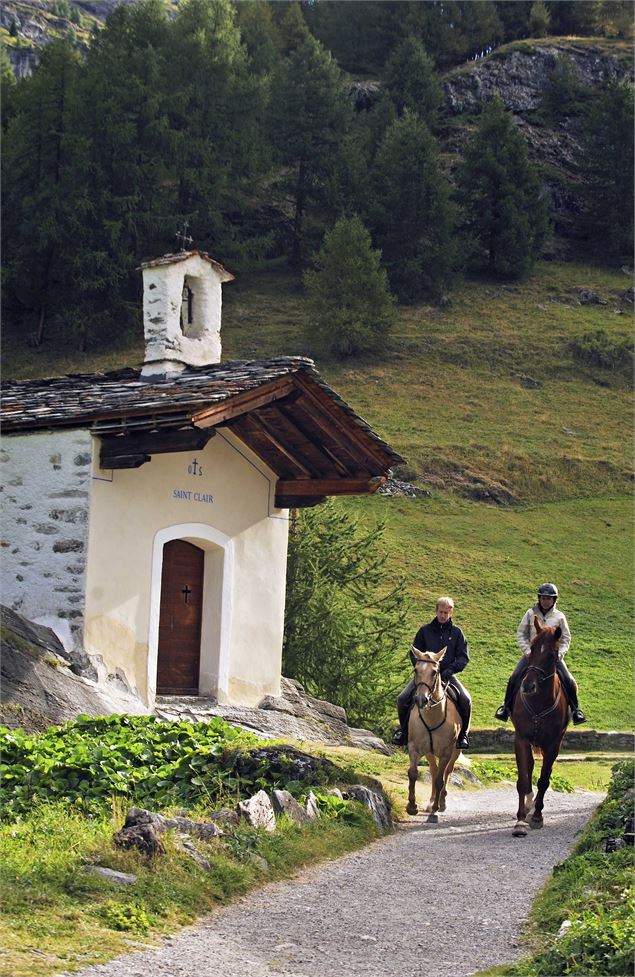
[[553, 618]]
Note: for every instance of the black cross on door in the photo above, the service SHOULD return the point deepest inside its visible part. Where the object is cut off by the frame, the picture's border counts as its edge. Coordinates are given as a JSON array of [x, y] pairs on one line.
[[186, 593]]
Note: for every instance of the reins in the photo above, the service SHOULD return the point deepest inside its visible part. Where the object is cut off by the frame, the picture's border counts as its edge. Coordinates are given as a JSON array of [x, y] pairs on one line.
[[538, 716], [431, 705]]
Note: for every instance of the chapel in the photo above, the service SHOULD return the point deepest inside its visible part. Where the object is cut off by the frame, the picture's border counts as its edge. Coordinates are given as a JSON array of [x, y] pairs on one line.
[[146, 512]]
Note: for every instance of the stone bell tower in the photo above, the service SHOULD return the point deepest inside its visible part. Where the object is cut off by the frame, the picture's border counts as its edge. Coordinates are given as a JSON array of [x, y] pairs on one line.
[[181, 313]]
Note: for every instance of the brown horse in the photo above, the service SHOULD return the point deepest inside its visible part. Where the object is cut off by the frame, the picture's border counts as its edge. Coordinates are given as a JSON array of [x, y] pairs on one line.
[[540, 716], [433, 729]]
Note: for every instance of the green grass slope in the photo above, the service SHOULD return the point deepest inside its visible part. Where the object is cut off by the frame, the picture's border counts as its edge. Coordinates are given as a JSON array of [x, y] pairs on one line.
[[486, 400]]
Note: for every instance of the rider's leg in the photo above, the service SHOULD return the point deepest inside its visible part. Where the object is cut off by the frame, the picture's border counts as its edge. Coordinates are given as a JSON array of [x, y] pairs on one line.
[[570, 687], [515, 678], [404, 705], [465, 708]]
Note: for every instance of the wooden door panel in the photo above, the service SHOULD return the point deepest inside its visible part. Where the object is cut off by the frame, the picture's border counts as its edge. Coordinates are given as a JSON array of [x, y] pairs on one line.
[[180, 618]]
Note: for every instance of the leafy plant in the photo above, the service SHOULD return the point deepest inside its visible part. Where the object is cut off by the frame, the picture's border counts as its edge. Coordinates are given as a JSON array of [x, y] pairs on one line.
[[128, 916]]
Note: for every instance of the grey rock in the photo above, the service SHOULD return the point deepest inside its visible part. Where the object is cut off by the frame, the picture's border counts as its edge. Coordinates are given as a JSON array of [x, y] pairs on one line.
[[43, 696], [311, 807], [587, 296], [257, 811], [119, 878], [376, 803], [285, 803], [200, 829]]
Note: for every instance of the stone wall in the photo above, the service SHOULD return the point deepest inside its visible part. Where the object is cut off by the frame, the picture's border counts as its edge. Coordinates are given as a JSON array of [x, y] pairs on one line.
[[45, 499]]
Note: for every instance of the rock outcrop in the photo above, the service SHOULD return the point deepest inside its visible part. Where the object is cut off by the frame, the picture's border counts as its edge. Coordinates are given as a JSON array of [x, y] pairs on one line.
[[38, 687]]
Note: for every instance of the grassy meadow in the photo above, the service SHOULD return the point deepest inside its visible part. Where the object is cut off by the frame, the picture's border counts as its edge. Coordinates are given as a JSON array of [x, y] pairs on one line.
[[485, 399]]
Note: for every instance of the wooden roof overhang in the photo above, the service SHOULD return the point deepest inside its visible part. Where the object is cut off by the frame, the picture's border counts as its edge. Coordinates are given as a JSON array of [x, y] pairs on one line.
[[280, 408]]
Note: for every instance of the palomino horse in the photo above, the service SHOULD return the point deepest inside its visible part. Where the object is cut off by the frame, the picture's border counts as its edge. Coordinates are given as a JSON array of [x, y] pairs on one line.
[[433, 729], [540, 716]]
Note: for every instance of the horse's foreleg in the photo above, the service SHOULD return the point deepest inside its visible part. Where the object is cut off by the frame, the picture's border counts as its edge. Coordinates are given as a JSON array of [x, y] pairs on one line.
[[432, 764], [548, 760], [446, 767], [413, 773], [525, 766]]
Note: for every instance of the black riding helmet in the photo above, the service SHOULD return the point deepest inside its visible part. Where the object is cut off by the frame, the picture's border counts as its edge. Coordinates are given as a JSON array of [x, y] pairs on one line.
[[548, 590]]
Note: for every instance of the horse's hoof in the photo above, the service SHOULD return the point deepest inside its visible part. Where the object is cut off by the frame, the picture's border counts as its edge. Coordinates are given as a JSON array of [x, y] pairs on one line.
[[442, 805], [520, 829], [536, 822], [432, 819], [412, 809]]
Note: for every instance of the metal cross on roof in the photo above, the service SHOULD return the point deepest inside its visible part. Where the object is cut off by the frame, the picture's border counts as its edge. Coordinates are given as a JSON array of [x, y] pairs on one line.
[[183, 237]]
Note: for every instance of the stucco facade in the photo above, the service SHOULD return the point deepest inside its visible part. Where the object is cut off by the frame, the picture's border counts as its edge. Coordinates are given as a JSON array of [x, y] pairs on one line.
[[220, 499]]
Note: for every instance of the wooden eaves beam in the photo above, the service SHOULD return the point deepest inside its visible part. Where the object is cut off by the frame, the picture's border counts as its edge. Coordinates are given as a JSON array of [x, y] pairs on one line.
[[299, 488]]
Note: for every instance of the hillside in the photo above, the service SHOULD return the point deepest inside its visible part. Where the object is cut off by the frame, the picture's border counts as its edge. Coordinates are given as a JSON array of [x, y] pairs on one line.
[[523, 451]]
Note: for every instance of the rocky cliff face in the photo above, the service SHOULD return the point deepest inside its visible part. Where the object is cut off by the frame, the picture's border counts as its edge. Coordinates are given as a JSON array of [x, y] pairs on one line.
[[521, 75]]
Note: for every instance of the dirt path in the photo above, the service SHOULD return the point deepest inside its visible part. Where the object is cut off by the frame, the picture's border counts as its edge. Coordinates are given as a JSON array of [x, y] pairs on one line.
[[444, 901]]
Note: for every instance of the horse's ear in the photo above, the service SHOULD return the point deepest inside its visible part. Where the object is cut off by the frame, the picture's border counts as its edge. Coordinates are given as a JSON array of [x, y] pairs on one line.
[[557, 634], [439, 655], [418, 654], [537, 625]]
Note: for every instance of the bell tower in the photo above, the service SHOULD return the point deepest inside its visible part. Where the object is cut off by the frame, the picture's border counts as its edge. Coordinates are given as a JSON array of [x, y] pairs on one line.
[[182, 300]]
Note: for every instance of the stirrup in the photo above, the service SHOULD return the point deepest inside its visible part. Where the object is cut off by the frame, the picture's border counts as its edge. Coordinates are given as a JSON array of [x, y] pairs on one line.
[[502, 713], [399, 738]]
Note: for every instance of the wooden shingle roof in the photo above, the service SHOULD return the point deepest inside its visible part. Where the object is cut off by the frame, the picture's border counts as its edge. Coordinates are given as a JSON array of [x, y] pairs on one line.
[[281, 408]]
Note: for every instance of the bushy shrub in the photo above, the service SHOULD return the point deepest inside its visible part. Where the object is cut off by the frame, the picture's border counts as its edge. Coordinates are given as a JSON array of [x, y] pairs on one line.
[[598, 349]]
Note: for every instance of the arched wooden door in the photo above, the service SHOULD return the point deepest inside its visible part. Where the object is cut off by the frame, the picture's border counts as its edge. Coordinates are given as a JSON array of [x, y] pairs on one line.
[[180, 619]]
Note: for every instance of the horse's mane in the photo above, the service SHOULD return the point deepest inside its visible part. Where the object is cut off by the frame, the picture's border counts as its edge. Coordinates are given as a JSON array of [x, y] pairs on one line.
[[545, 630]]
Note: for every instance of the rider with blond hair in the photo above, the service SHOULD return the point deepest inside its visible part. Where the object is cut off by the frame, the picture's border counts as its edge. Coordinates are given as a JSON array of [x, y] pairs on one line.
[[440, 633]]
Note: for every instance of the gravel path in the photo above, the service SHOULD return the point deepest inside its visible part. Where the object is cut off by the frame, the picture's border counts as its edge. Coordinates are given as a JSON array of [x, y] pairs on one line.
[[440, 900]]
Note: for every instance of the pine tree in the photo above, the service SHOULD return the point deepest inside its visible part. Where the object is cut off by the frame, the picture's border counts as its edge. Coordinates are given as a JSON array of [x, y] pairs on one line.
[[348, 292], [505, 212], [411, 81], [344, 615], [539, 19], [38, 186], [411, 215], [309, 118], [215, 111], [606, 169]]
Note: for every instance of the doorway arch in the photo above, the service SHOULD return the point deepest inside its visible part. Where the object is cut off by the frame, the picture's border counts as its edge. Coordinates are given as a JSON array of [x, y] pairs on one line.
[[216, 609]]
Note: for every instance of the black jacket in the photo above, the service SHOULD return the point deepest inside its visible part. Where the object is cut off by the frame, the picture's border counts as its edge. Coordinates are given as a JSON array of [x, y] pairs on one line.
[[435, 636]]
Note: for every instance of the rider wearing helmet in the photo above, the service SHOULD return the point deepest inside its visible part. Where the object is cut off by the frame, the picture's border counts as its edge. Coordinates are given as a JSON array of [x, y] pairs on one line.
[[548, 614]]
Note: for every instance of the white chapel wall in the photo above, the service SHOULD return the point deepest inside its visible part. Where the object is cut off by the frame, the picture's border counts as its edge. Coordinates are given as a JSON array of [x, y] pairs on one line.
[[45, 500], [221, 499]]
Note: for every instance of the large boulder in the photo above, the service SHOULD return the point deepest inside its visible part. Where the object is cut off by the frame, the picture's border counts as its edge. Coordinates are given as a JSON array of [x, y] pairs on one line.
[[38, 687]]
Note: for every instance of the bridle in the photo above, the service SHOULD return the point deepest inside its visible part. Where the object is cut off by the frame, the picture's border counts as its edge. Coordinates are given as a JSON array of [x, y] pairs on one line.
[[430, 704], [524, 696]]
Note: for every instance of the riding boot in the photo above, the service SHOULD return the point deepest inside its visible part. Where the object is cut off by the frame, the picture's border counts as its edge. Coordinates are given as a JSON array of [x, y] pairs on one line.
[[404, 705], [570, 687], [465, 708], [503, 712]]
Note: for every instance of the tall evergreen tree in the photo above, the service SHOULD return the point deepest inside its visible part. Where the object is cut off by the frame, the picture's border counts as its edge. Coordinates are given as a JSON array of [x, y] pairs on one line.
[[215, 107], [606, 169], [120, 196], [412, 82], [411, 215], [344, 615], [38, 186], [310, 115], [348, 291], [505, 212]]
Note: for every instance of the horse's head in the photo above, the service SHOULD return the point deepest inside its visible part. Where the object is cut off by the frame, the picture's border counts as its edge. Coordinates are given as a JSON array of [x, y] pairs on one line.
[[427, 669], [543, 656]]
